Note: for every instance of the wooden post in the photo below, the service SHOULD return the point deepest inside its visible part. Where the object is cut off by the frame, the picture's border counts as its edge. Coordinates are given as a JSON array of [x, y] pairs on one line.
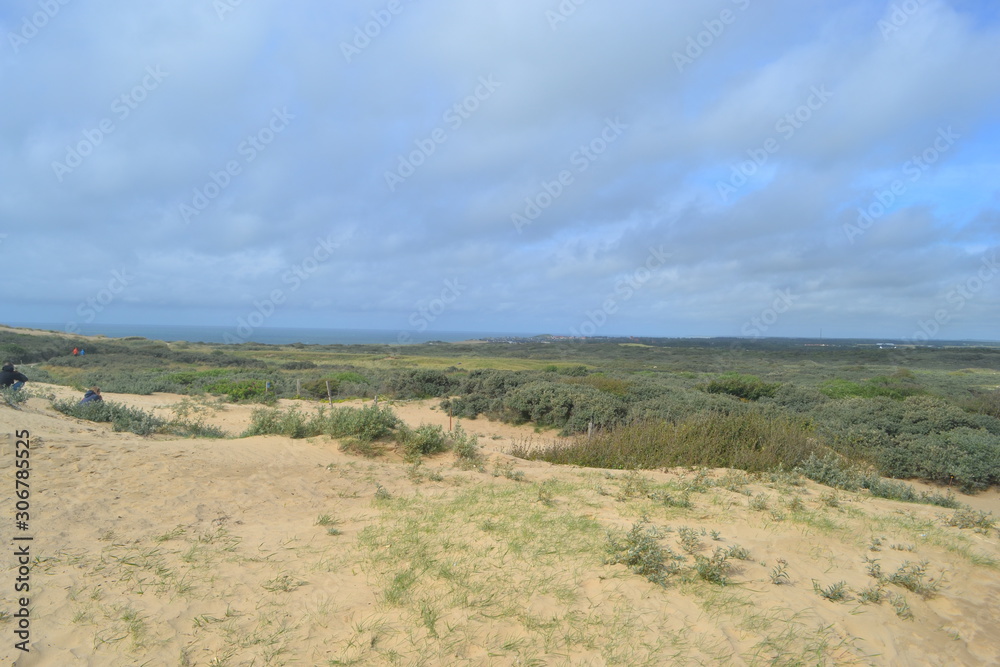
[[298, 387], [590, 429], [329, 394]]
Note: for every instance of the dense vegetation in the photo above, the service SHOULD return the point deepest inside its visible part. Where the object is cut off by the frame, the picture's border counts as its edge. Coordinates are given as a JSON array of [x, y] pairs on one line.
[[931, 412]]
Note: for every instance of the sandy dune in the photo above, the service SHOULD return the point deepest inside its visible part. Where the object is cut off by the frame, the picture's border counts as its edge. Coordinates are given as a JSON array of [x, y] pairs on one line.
[[268, 551]]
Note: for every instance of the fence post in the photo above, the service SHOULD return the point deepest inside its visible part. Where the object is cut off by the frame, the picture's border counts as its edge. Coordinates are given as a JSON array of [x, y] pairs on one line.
[[329, 394]]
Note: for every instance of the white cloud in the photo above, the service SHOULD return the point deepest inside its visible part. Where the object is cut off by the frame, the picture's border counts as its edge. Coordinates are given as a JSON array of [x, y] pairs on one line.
[[781, 227]]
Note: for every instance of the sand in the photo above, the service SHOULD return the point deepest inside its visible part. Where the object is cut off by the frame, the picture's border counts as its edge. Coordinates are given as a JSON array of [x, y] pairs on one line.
[[271, 551]]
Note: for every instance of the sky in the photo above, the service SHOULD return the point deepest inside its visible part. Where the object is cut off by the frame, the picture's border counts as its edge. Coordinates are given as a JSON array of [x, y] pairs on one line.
[[658, 168]]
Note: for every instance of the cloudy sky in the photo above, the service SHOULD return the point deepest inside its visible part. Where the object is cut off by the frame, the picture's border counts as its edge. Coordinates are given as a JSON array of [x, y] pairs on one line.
[[649, 167]]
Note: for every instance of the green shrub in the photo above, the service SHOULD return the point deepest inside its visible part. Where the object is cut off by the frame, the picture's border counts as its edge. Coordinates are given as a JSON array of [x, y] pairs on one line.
[[483, 391], [424, 440], [466, 447], [601, 382], [984, 403], [913, 577], [365, 424], [749, 387], [343, 383], [798, 399], [977, 520], [967, 457], [195, 429], [121, 417], [298, 365], [187, 378], [640, 551], [419, 383], [835, 471], [714, 569], [571, 408], [898, 386], [14, 397], [275, 421], [240, 390]]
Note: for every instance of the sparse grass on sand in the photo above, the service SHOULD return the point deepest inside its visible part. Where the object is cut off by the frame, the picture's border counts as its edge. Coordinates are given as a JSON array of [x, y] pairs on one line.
[[509, 562]]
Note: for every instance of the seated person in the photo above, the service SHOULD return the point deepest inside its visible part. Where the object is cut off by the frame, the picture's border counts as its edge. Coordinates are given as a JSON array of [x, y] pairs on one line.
[[92, 396], [10, 377]]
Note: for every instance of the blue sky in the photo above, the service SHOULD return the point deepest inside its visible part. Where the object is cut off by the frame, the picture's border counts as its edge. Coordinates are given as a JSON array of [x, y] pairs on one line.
[[648, 168]]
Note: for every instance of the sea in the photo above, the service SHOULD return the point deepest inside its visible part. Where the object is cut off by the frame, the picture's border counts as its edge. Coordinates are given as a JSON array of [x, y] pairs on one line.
[[270, 335]]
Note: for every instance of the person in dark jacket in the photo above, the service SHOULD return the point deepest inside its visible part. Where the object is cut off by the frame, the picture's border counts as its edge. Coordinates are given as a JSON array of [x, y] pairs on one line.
[[93, 395], [10, 377]]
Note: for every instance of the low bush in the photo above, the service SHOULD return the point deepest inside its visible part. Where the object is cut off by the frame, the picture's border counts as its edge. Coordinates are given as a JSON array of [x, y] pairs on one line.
[[571, 408], [898, 386], [14, 397], [969, 458], [602, 382], [365, 424], [275, 421], [341, 384], [242, 390], [753, 442], [424, 440], [121, 417], [749, 387], [195, 429], [977, 520], [483, 391], [834, 471], [298, 365], [641, 552], [419, 383], [984, 403], [188, 378], [466, 447]]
